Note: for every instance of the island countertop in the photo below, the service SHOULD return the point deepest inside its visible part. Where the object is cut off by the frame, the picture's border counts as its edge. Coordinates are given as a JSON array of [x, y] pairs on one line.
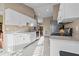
[[64, 38]]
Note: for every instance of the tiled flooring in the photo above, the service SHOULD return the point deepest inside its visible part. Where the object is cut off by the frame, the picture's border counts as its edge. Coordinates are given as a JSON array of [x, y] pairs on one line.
[[34, 49], [30, 49]]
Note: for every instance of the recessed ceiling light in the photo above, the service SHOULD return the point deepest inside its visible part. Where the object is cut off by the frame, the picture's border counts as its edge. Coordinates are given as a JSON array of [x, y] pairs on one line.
[[47, 10]]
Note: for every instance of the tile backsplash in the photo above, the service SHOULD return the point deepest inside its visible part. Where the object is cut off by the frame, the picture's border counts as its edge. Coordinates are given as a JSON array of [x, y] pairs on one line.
[[15, 28], [75, 26]]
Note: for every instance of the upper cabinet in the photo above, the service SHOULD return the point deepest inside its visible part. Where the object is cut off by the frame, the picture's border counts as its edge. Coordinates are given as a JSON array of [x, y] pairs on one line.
[[13, 17], [68, 11], [21, 8]]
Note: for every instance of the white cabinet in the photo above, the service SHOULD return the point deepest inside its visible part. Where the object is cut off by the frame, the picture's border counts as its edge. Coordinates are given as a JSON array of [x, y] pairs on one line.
[[58, 44], [17, 39], [10, 41], [20, 38], [68, 11], [13, 17]]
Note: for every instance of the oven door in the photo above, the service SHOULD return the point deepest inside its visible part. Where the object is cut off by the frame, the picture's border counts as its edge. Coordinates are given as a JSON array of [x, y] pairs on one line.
[[65, 53]]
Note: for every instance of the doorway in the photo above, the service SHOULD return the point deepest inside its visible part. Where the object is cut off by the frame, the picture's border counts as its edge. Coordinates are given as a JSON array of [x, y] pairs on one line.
[[1, 31]]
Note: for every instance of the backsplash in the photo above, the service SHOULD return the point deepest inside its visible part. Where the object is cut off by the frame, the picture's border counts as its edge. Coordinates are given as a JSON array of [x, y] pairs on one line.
[[16, 28], [75, 27]]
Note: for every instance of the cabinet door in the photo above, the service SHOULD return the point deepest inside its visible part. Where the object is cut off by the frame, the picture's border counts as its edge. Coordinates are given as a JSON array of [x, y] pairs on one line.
[[68, 11], [26, 38], [9, 40], [18, 39], [13, 17], [71, 10], [33, 36]]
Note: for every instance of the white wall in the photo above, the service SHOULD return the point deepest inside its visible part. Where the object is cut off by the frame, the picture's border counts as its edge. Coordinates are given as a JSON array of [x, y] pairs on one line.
[[15, 18], [57, 45]]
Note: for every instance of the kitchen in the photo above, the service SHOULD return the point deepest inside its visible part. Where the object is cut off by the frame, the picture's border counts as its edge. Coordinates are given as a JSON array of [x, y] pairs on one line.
[[52, 27]]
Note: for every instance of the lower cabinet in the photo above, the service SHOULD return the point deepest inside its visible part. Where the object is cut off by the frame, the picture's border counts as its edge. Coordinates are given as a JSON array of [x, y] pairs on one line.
[[19, 40], [57, 45]]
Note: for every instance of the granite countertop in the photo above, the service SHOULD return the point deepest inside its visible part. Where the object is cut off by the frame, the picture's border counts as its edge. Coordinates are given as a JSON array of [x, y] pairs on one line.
[[20, 32], [64, 38], [61, 37]]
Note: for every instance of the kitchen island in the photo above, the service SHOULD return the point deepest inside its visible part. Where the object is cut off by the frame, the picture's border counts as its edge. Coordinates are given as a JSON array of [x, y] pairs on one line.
[[62, 43]]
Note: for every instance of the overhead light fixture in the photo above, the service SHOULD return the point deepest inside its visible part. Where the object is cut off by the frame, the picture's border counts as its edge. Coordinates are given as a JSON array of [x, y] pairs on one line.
[[47, 10]]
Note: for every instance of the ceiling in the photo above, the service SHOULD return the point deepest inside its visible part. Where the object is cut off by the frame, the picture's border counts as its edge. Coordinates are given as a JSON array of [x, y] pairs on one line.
[[42, 9]]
